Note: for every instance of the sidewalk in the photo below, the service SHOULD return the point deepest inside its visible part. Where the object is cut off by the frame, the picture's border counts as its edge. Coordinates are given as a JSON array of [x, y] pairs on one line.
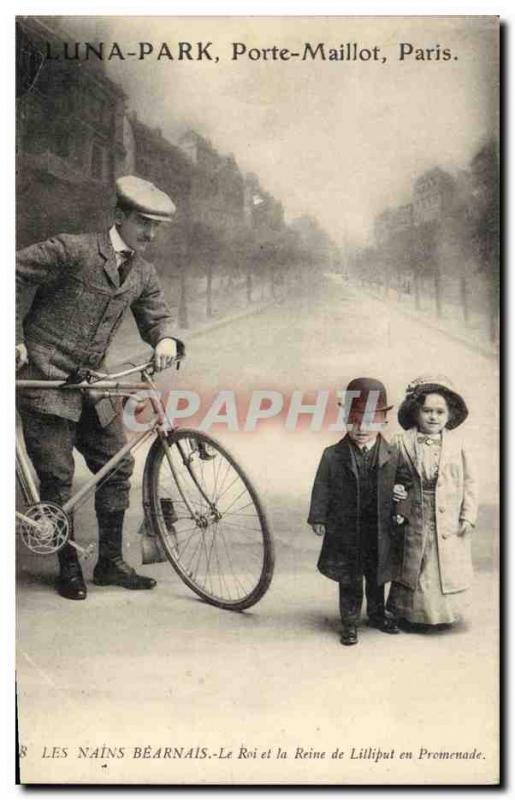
[[475, 335]]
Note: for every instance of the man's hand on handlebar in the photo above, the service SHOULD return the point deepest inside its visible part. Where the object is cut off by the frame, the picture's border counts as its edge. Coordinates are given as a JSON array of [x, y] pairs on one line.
[[165, 352], [22, 356]]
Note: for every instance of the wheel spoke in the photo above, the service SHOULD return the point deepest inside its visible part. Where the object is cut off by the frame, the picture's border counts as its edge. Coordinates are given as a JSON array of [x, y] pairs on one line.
[[238, 514], [221, 494], [228, 468], [230, 563], [243, 491], [222, 554], [197, 548]]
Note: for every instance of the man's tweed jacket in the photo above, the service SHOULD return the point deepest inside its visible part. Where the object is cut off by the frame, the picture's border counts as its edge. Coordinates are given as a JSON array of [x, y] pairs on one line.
[[69, 306]]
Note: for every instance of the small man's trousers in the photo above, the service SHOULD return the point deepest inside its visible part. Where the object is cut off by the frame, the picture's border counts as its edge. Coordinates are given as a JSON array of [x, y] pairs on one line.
[[351, 591]]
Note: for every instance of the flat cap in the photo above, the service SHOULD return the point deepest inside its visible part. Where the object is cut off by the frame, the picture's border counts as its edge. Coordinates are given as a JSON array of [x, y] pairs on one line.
[[145, 198]]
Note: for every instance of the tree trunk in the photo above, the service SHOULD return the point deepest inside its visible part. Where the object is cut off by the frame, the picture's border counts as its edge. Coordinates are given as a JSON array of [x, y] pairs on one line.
[[272, 281], [249, 284], [386, 284], [209, 290], [438, 292], [416, 289], [183, 302], [494, 313], [464, 299], [386, 275]]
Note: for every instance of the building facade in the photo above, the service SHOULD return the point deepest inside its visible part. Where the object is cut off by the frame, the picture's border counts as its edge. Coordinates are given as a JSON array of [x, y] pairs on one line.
[[432, 196], [70, 136]]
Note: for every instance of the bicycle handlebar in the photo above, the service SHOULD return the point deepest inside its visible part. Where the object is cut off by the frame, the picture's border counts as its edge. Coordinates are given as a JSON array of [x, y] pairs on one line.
[[148, 366], [88, 379]]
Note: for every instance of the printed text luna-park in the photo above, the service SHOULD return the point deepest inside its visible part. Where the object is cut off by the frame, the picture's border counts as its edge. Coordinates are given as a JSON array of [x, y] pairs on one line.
[[211, 53]]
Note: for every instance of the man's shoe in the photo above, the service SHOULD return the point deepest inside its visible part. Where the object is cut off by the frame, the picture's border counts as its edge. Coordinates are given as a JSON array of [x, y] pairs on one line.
[[384, 624], [349, 635], [70, 584], [116, 572]]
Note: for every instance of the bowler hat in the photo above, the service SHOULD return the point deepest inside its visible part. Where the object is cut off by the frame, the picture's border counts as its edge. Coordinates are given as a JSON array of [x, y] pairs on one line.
[[432, 384], [364, 386], [145, 198]]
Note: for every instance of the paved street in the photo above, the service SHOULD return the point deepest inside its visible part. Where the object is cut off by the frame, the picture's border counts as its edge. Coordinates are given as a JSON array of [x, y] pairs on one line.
[[163, 669]]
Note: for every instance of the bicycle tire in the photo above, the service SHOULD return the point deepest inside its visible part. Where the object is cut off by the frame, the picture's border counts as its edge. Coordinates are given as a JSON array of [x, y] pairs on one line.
[[161, 488]]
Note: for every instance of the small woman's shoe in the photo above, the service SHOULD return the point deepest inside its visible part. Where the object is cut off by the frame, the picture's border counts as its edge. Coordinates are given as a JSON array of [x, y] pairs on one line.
[[384, 624], [408, 627]]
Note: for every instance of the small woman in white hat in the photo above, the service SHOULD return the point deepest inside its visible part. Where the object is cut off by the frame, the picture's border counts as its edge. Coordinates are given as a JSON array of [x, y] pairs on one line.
[[439, 505]]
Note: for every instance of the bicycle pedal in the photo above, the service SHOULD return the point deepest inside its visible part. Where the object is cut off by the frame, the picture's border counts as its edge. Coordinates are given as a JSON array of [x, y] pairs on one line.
[[90, 550], [85, 552]]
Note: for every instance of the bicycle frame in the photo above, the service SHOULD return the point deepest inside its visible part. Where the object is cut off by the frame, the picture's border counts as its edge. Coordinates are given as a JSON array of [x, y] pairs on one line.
[[161, 426], [196, 536]]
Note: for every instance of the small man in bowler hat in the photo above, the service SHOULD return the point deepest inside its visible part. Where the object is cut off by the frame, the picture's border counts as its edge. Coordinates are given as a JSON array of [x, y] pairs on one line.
[[73, 292], [351, 507]]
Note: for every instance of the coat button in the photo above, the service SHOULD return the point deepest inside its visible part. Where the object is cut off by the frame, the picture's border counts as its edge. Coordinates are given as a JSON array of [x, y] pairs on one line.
[[441, 509], [444, 535]]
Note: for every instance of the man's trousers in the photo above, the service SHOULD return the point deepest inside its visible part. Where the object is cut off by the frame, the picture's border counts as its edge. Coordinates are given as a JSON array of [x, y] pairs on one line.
[[50, 441]]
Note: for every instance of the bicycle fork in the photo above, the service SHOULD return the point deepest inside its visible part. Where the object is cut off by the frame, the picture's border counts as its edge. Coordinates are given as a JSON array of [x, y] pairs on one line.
[[164, 426], [199, 519]]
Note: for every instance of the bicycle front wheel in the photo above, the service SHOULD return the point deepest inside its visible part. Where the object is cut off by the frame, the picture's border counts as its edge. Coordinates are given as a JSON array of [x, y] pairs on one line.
[[209, 520]]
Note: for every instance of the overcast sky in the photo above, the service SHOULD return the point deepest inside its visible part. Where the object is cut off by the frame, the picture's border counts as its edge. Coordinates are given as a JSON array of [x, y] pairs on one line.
[[340, 140]]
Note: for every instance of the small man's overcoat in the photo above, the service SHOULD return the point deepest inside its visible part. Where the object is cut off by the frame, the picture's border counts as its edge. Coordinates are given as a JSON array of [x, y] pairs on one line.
[[335, 504]]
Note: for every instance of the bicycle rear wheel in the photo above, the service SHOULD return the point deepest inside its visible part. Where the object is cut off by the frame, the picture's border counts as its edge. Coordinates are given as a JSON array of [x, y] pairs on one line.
[[208, 517]]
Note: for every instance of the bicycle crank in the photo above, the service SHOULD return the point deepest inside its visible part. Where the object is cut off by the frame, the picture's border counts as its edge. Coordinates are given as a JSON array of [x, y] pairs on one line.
[[45, 529]]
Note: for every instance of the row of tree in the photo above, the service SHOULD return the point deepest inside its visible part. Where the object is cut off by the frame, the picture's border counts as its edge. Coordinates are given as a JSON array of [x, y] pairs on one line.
[[260, 252], [460, 244], [75, 135]]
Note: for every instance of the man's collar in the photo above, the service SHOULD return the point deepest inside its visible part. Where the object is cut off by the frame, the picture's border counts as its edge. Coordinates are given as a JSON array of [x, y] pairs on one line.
[[119, 245], [369, 445]]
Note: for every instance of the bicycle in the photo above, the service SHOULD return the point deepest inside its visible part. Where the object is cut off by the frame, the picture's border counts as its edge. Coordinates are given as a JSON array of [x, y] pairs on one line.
[[197, 501]]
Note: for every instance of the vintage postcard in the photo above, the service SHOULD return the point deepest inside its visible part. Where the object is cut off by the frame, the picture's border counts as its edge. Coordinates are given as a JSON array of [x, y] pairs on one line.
[[278, 564]]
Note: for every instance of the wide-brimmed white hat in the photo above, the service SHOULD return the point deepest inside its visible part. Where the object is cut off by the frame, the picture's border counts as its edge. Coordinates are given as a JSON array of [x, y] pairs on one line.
[[426, 384]]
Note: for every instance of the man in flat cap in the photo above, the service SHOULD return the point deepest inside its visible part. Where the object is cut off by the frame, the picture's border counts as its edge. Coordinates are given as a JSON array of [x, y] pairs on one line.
[[72, 293]]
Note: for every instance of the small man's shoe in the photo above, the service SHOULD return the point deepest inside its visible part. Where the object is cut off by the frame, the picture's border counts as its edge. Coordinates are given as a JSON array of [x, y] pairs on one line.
[[115, 572], [70, 583], [384, 624], [349, 635]]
